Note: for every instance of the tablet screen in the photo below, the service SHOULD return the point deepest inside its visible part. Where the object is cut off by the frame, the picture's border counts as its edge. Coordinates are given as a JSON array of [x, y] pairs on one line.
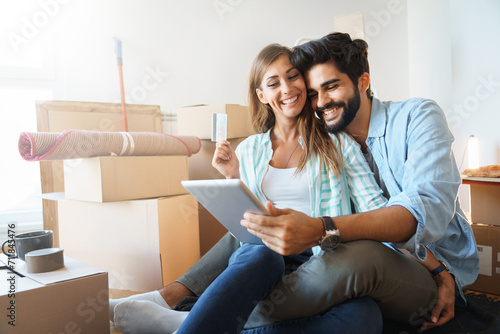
[[227, 200]]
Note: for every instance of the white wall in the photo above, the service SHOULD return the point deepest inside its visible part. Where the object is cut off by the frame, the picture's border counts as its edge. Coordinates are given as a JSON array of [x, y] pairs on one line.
[[430, 50], [179, 53], [476, 80], [202, 49], [476, 76]]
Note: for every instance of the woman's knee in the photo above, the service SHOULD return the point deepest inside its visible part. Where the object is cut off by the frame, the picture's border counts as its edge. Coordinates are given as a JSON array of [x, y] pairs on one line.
[[259, 256], [269, 258]]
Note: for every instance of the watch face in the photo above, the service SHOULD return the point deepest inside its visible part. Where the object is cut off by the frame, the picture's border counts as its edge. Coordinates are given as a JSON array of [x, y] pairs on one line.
[[330, 242]]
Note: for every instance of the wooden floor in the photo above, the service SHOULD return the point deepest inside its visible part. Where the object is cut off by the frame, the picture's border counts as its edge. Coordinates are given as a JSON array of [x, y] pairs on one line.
[[113, 293]]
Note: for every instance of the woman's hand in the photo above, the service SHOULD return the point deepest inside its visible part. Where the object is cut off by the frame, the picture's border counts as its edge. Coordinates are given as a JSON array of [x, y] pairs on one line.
[[225, 160], [444, 310]]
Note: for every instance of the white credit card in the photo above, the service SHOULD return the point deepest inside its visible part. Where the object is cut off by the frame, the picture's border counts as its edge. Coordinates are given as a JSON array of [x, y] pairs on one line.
[[219, 127]]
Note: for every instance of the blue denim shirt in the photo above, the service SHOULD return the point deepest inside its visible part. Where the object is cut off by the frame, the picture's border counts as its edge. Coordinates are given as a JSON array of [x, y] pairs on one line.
[[410, 142]]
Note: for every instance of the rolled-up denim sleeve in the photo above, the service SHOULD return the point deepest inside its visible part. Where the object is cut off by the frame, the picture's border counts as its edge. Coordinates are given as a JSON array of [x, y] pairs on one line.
[[430, 178]]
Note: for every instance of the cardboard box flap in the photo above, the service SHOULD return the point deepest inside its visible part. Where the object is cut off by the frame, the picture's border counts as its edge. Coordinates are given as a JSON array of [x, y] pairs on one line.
[[72, 269], [197, 120], [468, 179], [54, 196]]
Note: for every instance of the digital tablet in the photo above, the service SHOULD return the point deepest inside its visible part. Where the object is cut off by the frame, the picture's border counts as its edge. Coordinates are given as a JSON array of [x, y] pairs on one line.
[[227, 200]]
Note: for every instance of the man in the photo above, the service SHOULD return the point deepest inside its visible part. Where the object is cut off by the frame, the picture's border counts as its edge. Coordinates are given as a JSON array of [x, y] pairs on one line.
[[408, 146]]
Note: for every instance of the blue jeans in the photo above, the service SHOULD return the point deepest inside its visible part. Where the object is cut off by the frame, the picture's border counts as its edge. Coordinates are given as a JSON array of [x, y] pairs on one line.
[[355, 316], [252, 273]]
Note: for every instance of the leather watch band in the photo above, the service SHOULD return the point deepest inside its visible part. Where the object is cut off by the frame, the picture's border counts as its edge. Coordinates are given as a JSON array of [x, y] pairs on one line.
[[328, 223]]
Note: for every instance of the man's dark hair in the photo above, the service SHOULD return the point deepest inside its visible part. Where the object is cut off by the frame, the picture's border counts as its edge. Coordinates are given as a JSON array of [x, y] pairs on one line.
[[349, 56]]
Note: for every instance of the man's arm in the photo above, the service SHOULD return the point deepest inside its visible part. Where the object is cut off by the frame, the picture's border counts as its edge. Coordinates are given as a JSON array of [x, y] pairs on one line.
[[291, 232], [444, 309], [429, 178], [388, 224]]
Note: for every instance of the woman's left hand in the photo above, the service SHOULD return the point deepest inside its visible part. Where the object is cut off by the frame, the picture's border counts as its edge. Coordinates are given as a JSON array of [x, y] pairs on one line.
[[444, 310]]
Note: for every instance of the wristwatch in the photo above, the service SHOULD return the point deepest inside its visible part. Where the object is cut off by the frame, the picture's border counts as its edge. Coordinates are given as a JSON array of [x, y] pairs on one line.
[[331, 239]]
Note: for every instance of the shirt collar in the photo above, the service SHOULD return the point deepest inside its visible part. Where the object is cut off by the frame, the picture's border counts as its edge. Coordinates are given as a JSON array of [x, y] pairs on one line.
[[266, 137], [377, 119]]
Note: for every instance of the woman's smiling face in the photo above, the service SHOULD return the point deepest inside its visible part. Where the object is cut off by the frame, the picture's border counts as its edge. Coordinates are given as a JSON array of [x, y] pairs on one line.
[[283, 88]]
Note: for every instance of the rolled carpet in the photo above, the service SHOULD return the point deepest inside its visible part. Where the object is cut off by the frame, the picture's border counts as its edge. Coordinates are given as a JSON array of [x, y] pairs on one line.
[[74, 144]]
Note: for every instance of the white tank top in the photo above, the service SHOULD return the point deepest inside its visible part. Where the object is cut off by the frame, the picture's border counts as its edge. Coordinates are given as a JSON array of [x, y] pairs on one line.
[[286, 190]]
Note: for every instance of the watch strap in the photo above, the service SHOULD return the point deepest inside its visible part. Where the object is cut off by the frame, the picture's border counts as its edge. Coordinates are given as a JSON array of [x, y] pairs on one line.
[[442, 267], [328, 223]]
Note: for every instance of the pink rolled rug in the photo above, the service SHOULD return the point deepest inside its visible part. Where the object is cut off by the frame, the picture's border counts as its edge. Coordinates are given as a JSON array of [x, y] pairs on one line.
[[74, 144]]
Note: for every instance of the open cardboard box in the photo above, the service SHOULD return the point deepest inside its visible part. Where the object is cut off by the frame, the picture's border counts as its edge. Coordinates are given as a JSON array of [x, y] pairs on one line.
[[484, 199], [197, 120], [488, 248], [200, 164], [110, 179], [73, 299], [200, 168], [142, 244]]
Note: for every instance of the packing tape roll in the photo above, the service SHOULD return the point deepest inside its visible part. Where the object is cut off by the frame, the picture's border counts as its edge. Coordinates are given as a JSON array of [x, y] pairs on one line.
[[44, 260]]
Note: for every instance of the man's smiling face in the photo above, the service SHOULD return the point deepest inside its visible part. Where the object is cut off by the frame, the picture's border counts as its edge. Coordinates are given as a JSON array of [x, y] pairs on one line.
[[333, 96]]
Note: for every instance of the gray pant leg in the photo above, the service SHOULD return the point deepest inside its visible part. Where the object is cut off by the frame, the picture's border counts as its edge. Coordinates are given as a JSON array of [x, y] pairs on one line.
[[403, 288], [210, 266]]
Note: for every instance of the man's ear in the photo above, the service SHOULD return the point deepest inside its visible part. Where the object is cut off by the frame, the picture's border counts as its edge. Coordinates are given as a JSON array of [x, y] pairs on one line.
[[364, 82], [261, 96]]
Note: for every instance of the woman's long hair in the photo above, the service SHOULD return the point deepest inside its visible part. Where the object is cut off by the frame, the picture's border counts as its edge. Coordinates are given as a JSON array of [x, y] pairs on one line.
[[315, 137]]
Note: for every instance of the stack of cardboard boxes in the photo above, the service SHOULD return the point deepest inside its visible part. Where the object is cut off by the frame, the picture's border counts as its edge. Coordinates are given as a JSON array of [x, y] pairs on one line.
[[485, 217], [131, 217], [197, 121]]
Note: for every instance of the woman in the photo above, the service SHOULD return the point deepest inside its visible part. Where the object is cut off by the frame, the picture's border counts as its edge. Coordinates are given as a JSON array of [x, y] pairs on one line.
[[289, 162], [293, 162]]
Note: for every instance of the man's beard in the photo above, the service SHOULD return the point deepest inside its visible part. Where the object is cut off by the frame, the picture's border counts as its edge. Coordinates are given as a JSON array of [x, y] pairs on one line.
[[349, 112]]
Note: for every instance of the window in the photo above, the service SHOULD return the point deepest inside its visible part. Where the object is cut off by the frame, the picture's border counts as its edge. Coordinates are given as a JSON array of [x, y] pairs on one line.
[[20, 197], [26, 75]]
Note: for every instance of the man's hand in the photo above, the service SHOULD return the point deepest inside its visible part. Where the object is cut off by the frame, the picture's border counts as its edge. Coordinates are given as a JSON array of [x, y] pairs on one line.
[[444, 310], [286, 231]]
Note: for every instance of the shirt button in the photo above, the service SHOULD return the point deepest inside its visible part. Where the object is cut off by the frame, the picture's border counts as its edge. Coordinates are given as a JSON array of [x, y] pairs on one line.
[[421, 251]]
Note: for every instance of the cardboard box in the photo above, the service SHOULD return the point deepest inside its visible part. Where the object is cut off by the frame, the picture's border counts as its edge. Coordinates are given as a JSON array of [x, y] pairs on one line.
[[73, 299], [142, 244], [200, 168], [485, 200], [197, 120], [211, 231], [488, 246], [110, 179], [200, 164]]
